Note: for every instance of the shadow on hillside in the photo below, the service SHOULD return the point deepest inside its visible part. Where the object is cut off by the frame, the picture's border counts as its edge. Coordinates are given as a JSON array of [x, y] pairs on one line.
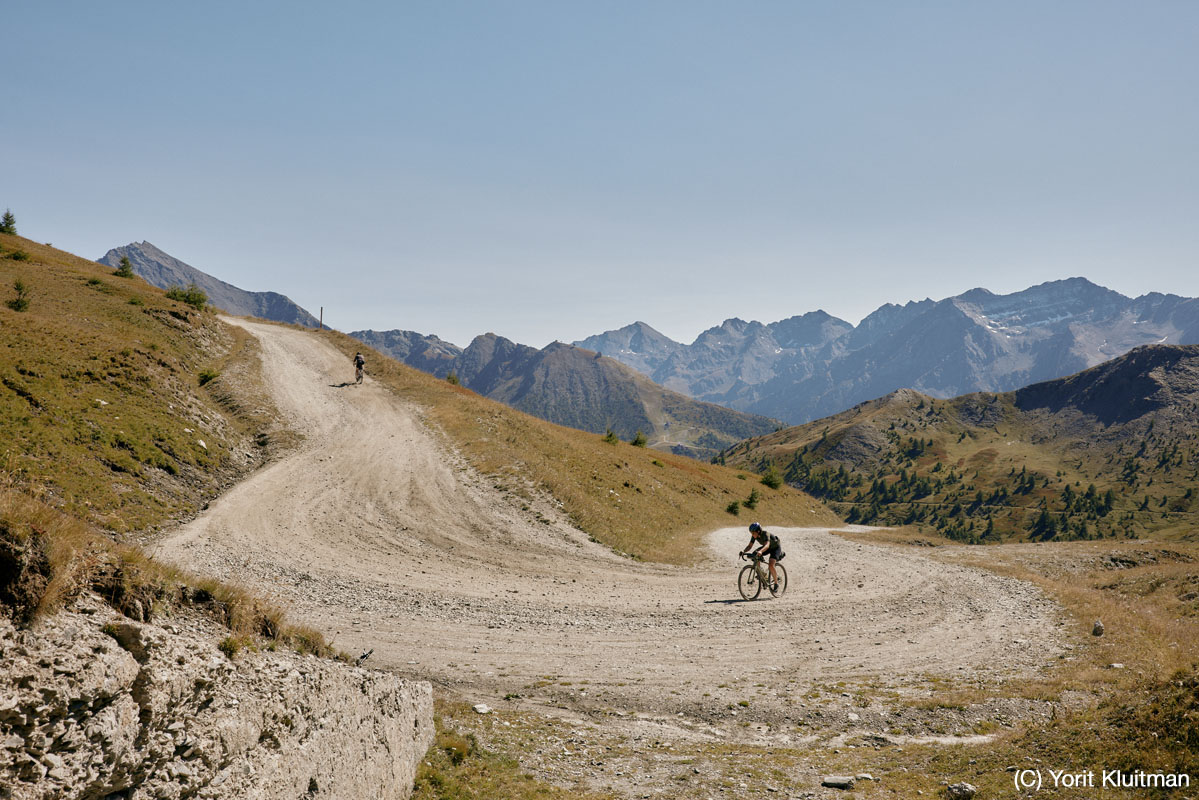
[[730, 601]]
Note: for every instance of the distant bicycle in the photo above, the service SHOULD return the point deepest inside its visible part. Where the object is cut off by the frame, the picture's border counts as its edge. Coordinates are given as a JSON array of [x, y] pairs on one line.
[[358, 372], [754, 576]]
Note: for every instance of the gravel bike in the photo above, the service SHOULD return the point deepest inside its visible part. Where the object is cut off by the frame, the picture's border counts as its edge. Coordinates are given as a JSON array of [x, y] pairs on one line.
[[754, 576]]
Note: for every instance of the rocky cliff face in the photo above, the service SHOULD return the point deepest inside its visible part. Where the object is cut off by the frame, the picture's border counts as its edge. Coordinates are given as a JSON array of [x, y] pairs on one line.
[[164, 271], [94, 705], [426, 353]]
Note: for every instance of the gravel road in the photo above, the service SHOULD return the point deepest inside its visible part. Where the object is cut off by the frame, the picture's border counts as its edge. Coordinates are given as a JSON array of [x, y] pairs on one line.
[[376, 533]]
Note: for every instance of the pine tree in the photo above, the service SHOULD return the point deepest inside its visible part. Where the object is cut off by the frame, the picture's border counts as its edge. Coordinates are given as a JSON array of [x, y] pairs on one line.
[[8, 224], [126, 268], [21, 301]]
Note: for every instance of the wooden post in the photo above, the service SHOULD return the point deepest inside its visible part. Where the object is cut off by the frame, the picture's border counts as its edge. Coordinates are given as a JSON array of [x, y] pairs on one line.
[[322, 322]]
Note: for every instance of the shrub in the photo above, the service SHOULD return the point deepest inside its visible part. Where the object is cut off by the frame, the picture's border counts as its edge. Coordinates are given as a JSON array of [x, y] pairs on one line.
[[21, 301], [192, 295], [452, 379], [610, 437], [457, 747], [734, 507], [207, 375], [772, 478], [639, 440], [136, 301], [751, 502], [18, 255], [125, 270], [230, 646]]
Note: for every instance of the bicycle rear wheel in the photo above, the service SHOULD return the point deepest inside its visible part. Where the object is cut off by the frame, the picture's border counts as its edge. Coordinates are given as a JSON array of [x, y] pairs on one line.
[[748, 583], [781, 571]]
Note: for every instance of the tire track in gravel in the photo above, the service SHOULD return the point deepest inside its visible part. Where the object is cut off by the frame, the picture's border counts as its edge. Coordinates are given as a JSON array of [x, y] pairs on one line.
[[374, 532]]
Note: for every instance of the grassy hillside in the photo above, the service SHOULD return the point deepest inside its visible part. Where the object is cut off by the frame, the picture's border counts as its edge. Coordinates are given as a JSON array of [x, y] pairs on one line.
[[1110, 452], [643, 502], [102, 415], [127, 408], [577, 388]]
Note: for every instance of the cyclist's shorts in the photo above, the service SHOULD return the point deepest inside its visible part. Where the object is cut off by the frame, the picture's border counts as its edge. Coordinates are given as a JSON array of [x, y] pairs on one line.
[[775, 552]]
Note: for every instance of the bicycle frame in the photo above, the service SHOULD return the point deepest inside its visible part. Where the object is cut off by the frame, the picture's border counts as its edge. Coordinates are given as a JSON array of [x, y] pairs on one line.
[[756, 575]]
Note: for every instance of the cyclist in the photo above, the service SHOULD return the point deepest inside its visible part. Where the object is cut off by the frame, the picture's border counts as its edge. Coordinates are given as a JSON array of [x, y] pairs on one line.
[[769, 546], [359, 363]]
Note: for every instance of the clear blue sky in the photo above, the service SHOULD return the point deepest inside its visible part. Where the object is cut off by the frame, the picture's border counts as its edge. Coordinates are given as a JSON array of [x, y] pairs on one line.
[[549, 170]]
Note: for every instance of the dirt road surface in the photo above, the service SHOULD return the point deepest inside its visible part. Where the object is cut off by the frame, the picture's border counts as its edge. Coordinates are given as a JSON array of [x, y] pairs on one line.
[[376, 533]]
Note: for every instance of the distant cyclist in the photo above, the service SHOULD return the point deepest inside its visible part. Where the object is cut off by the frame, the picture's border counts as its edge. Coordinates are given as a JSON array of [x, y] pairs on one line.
[[359, 365], [769, 546]]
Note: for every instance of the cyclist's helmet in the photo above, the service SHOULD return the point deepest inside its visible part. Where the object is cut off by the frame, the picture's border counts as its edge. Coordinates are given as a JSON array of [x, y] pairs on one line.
[[754, 527]]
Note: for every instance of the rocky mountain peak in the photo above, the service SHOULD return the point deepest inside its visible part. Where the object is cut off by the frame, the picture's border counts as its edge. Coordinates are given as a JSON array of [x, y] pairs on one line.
[[814, 364], [164, 271]]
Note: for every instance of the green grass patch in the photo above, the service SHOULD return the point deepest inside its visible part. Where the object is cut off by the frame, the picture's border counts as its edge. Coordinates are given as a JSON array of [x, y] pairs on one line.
[[457, 767]]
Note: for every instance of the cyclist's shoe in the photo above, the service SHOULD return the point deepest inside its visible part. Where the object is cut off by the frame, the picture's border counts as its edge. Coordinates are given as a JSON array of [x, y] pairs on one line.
[[774, 588]]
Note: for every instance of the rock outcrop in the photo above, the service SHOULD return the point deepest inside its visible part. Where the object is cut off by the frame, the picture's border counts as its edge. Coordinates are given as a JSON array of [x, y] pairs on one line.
[[93, 704]]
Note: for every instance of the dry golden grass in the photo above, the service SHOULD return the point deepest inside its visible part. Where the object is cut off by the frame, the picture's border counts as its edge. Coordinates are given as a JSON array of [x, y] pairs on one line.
[[647, 503], [100, 398], [69, 462], [47, 557], [1148, 626], [41, 551], [1142, 715]]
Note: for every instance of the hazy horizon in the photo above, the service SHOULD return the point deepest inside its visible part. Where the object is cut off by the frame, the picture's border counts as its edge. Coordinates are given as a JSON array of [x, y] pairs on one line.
[[549, 171]]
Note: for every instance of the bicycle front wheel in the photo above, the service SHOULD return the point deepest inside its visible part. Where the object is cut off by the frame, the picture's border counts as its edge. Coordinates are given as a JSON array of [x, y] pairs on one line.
[[748, 583], [781, 571]]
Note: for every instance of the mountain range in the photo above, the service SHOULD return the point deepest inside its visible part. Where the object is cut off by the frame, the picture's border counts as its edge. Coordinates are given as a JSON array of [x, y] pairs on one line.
[[164, 271], [578, 388], [814, 365], [1112, 451]]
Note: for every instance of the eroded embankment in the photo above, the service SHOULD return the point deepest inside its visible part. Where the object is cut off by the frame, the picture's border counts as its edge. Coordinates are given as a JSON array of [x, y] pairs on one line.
[[92, 704]]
